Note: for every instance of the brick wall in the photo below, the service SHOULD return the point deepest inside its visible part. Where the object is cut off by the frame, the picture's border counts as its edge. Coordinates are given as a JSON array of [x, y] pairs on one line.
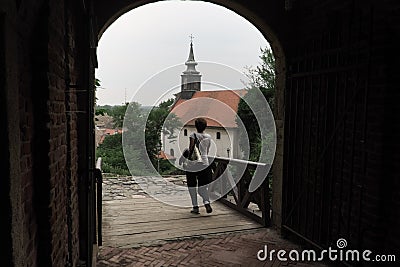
[[75, 72], [49, 145], [31, 38], [64, 76]]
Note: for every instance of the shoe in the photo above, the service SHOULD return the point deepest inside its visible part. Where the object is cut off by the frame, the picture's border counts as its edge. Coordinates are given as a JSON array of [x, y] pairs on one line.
[[195, 210], [208, 208]]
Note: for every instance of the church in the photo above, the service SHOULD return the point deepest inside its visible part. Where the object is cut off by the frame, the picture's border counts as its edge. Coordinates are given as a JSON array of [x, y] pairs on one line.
[[218, 107]]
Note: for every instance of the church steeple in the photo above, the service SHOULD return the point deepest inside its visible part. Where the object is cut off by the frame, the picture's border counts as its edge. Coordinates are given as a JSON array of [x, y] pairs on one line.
[[191, 54], [191, 78]]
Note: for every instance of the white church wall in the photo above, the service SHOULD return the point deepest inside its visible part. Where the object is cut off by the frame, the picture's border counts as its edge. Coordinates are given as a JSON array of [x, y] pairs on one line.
[[228, 139]]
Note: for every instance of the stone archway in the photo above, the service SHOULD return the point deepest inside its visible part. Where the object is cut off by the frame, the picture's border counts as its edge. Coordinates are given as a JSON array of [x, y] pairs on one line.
[[271, 31]]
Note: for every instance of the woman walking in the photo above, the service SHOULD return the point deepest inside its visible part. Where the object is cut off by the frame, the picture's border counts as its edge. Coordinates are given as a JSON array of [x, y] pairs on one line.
[[198, 173]]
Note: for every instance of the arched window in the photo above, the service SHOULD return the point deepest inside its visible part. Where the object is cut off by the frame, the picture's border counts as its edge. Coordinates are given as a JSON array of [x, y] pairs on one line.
[[185, 132], [172, 152], [218, 135]]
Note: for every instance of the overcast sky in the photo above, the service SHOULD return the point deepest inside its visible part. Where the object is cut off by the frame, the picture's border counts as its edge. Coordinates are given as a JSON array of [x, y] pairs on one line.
[[142, 54]]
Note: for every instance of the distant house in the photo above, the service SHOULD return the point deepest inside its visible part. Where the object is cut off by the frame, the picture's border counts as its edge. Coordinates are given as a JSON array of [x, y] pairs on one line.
[[218, 107], [163, 155], [101, 133], [104, 121]]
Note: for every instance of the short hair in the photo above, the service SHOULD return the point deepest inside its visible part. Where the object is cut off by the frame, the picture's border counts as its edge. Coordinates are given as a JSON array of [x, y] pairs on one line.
[[200, 124]]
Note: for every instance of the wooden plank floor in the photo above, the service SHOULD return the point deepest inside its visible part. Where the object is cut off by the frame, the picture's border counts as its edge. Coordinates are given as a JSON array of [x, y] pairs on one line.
[[145, 221]]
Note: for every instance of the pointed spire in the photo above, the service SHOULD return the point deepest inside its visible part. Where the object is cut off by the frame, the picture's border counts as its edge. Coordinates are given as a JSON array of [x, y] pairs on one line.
[[191, 63], [191, 54]]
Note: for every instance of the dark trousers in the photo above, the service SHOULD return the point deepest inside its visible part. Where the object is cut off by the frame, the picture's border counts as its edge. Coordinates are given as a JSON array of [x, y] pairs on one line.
[[199, 180]]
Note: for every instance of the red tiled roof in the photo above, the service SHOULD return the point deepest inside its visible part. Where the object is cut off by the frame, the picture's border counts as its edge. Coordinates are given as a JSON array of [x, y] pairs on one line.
[[108, 131], [219, 108], [163, 155], [111, 131]]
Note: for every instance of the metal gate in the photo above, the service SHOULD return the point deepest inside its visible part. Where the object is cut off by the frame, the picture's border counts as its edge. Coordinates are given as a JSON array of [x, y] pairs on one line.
[[325, 131]]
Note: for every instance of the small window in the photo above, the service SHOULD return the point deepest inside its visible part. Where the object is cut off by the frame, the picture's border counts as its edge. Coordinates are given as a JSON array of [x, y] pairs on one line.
[[172, 152], [218, 135], [185, 132]]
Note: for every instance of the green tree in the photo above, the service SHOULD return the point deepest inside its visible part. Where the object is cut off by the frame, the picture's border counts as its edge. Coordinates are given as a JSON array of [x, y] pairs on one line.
[[102, 110], [263, 76], [160, 120], [133, 155], [118, 114], [112, 155], [135, 150], [116, 159], [97, 84], [260, 78]]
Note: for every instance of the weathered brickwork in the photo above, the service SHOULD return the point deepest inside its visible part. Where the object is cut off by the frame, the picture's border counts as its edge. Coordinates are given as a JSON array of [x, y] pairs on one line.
[[63, 98], [57, 114], [74, 70], [47, 158], [28, 22]]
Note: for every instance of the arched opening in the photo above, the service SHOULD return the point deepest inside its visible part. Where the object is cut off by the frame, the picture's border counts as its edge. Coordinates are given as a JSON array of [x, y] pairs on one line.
[[107, 19], [340, 105]]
